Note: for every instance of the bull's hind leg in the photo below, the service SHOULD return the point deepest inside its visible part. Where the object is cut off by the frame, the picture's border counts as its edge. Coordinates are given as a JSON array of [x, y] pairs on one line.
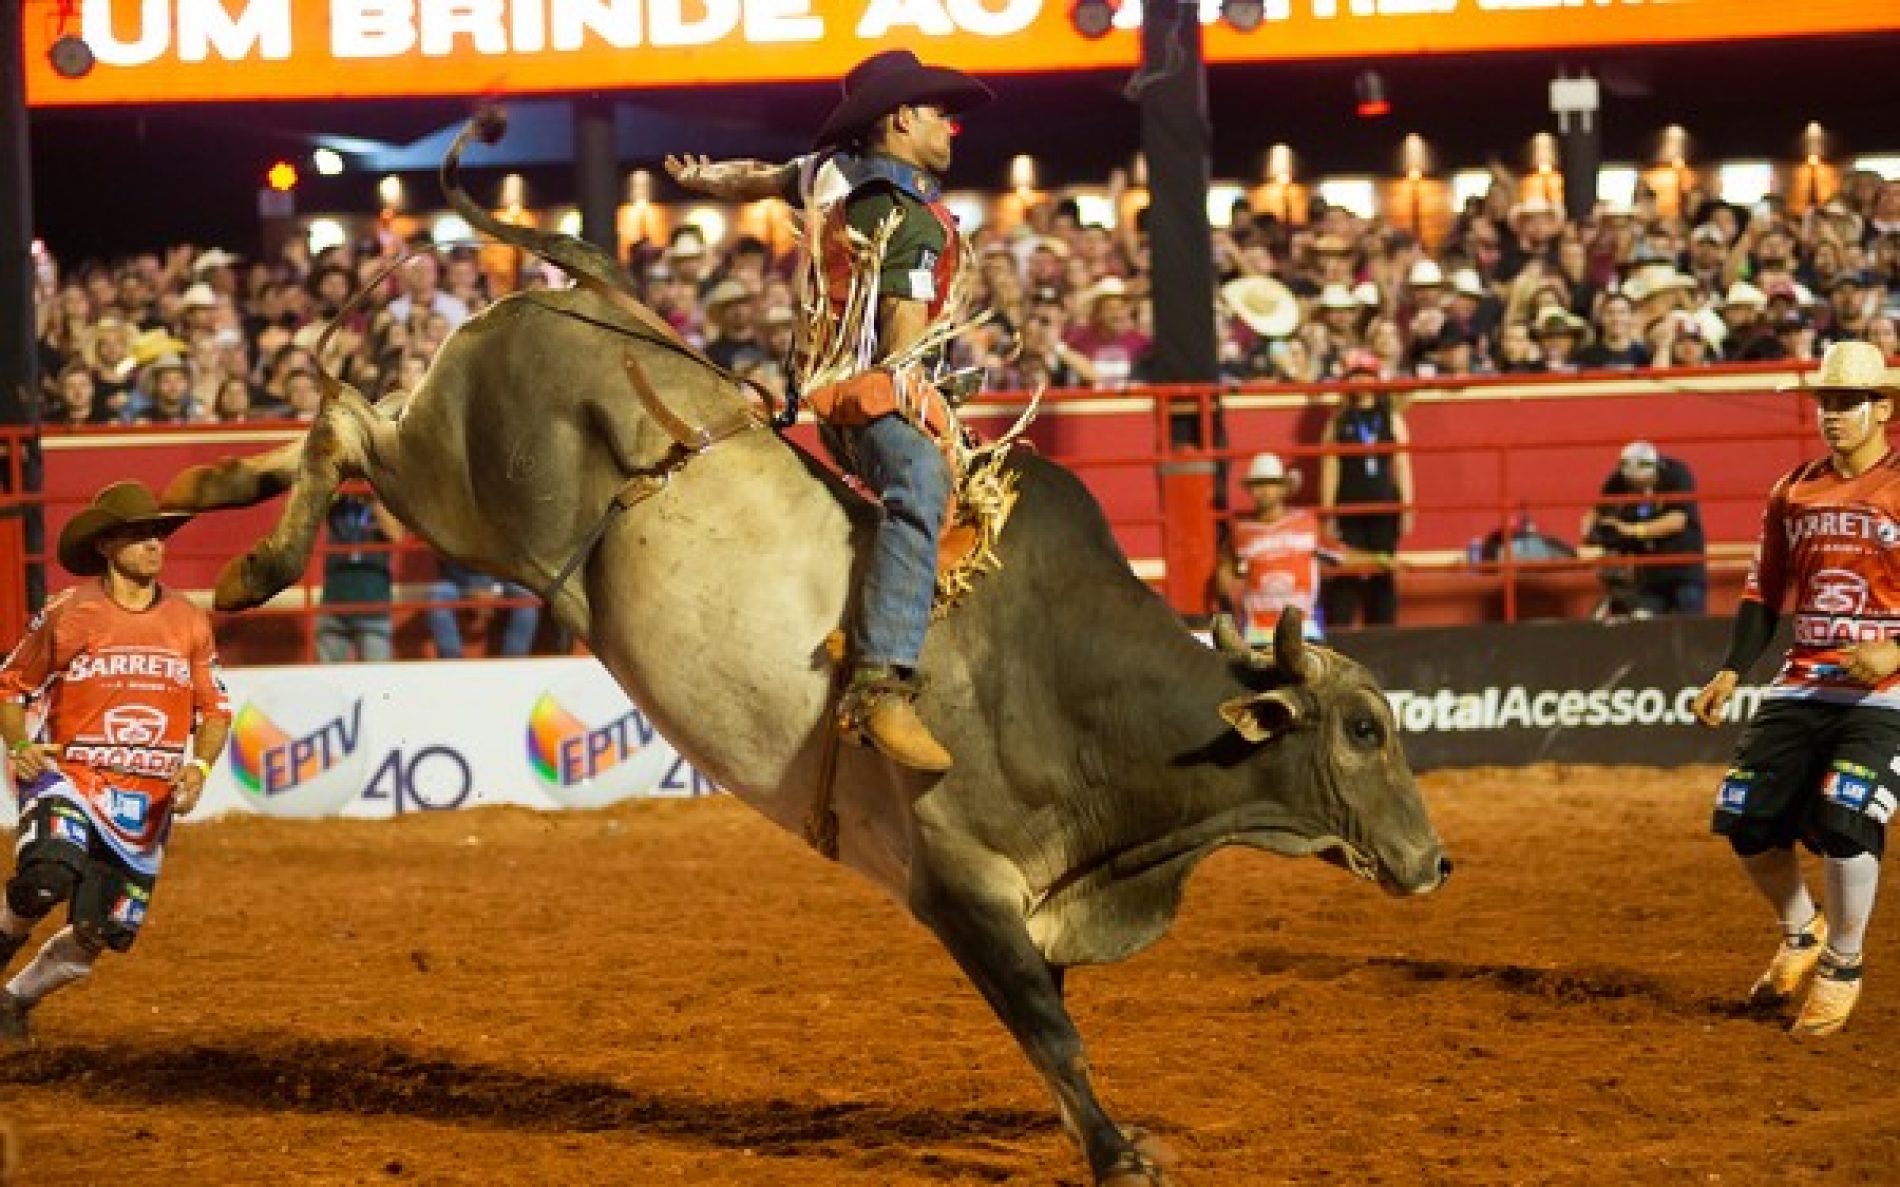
[[336, 448], [987, 937]]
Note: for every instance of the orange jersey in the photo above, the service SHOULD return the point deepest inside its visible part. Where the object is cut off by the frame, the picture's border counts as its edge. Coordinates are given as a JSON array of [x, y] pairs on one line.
[[1833, 544], [1279, 567], [120, 692]]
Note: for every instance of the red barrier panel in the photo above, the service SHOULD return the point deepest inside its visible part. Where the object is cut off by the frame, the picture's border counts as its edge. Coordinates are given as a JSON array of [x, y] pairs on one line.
[[1484, 452]]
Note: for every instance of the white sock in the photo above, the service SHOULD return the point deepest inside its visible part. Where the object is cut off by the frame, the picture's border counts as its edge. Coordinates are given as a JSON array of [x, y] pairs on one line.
[[60, 961], [1851, 885], [1777, 874], [11, 924]]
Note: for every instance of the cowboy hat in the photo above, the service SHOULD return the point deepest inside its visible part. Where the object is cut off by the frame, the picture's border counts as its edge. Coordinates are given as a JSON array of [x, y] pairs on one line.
[[884, 82], [1101, 290], [1653, 280], [120, 505], [726, 292], [1467, 283], [1337, 296], [1426, 274], [1555, 319], [217, 257], [199, 296], [1850, 367], [153, 345], [1743, 295], [1263, 304], [1266, 467]]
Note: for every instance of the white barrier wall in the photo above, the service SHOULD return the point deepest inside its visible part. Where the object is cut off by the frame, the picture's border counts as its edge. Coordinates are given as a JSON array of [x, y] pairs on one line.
[[383, 739]]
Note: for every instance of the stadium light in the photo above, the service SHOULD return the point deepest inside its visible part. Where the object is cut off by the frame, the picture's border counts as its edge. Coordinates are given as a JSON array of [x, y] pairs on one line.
[[389, 189], [328, 162], [1369, 89], [1244, 15], [1092, 18], [281, 177], [1279, 169]]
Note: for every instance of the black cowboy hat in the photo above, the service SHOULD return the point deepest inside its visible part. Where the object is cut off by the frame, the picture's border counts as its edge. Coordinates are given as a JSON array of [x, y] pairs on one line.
[[121, 505], [884, 82]]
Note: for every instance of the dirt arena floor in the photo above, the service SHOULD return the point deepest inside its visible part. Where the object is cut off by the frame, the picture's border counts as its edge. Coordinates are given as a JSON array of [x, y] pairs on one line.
[[675, 992]]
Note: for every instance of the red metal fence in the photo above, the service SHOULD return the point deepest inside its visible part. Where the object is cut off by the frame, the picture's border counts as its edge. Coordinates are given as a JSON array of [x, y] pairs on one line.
[[1487, 454]]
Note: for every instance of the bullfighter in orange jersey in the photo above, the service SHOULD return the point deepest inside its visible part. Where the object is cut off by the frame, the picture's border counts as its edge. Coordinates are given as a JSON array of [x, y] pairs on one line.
[[1820, 761], [121, 678]]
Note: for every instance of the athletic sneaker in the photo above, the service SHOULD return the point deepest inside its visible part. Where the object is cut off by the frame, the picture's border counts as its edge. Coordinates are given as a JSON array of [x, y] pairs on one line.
[[1793, 962], [1831, 999], [13, 1027]]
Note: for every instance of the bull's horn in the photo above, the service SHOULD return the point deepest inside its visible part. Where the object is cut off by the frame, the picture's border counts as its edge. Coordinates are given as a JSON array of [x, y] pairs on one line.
[[1290, 652], [1227, 637]]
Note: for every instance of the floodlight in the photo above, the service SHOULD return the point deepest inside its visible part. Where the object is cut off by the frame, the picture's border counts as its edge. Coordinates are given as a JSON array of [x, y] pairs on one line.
[[1092, 18]]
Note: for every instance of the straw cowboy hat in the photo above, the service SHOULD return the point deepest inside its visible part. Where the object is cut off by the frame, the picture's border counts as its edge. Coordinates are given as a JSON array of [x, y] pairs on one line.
[[884, 82], [1466, 282], [1851, 367], [1653, 280], [121, 505], [1263, 304], [1095, 294], [1743, 295], [1337, 296], [1426, 274], [1555, 319]]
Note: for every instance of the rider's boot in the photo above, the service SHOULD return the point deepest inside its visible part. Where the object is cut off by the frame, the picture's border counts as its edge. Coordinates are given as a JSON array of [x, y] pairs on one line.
[[877, 710]]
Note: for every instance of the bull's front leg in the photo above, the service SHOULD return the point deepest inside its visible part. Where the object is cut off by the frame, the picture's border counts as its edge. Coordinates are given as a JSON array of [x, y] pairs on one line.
[[278, 560], [989, 941]]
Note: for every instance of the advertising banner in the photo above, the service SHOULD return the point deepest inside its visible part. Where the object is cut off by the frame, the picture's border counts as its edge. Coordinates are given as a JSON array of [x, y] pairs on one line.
[[1577, 692], [165, 51], [386, 739]]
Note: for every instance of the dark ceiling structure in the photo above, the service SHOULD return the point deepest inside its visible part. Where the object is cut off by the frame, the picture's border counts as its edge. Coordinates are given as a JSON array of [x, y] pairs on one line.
[[110, 181]]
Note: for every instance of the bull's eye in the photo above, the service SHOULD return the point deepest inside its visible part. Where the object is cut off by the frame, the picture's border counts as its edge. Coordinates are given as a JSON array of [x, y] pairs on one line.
[[1367, 732]]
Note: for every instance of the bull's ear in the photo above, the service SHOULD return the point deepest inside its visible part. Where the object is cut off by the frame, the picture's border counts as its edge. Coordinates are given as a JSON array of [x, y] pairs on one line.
[[1261, 716]]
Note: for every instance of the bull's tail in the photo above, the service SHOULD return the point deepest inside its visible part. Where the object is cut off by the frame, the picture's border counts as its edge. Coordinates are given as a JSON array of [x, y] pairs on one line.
[[592, 268]]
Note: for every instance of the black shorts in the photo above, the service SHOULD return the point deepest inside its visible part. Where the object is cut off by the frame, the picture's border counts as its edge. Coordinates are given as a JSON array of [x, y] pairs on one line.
[[1803, 767], [112, 898]]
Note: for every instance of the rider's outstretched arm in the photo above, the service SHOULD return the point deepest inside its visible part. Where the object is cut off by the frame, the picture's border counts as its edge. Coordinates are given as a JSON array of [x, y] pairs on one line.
[[735, 181]]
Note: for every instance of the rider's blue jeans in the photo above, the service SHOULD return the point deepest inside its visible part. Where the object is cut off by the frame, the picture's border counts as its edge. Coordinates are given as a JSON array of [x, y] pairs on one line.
[[912, 480]]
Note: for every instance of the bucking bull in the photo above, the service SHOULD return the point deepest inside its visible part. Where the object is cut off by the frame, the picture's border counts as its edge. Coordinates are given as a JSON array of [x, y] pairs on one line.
[[1101, 751]]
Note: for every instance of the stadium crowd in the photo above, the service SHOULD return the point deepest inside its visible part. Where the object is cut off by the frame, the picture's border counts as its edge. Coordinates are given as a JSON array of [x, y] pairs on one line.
[[196, 335]]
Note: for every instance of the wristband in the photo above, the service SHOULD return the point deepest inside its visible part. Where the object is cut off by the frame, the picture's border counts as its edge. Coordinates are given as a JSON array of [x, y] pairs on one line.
[[204, 767], [22, 744]]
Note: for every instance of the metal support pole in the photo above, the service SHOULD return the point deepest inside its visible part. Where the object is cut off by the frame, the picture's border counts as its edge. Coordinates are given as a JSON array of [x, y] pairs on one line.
[[19, 345], [596, 165], [1175, 137]]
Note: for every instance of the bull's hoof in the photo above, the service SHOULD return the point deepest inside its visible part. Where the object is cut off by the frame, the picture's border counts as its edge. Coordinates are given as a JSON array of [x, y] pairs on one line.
[[251, 580], [1148, 1164]]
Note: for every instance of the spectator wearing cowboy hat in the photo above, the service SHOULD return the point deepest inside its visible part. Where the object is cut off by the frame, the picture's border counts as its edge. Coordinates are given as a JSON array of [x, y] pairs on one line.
[[732, 324], [880, 157], [1534, 223], [1741, 311], [1268, 312], [1108, 336], [1560, 334]]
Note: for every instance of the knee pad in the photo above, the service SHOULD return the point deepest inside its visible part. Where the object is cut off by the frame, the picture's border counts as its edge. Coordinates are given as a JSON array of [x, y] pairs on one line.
[[39, 886], [91, 941]]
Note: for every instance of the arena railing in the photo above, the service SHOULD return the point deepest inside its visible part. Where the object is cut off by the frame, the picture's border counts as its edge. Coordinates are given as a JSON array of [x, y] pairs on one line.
[[1165, 463]]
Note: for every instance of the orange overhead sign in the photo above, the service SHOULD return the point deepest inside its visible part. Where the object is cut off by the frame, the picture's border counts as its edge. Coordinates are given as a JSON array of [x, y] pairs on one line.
[[167, 51]]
